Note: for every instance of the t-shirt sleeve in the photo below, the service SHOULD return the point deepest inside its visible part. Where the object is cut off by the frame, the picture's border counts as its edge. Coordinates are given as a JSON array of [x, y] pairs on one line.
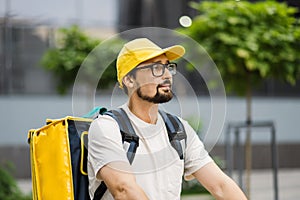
[[195, 156], [105, 143]]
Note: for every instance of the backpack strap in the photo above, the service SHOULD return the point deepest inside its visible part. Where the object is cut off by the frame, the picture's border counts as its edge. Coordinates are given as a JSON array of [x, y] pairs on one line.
[[128, 135], [176, 132], [127, 131]]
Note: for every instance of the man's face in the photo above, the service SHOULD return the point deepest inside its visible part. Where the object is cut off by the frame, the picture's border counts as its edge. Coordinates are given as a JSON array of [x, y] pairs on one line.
[[154, 89]]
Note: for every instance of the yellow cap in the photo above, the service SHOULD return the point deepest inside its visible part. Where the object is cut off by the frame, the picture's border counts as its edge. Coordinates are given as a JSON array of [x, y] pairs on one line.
[[140, 50]]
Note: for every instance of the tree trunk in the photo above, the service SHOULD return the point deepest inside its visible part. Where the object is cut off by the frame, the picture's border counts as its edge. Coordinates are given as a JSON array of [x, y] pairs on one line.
[[248, 146]]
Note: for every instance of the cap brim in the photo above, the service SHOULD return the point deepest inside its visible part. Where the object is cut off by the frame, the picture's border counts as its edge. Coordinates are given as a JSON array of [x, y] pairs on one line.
[[172, 53]]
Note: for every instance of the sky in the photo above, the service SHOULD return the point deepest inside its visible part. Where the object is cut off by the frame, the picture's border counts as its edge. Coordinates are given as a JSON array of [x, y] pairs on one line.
[[90, 12]]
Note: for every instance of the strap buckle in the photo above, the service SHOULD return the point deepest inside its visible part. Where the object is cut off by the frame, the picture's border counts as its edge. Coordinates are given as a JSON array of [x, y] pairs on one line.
[[130, 138]]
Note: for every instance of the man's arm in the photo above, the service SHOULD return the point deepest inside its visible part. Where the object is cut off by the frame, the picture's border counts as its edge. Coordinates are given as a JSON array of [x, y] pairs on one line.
[[121, 182], [218, 183]]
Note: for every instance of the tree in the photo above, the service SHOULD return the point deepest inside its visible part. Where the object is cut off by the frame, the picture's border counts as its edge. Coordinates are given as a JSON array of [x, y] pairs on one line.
[[249, 42], [9, 189], [73, 49]]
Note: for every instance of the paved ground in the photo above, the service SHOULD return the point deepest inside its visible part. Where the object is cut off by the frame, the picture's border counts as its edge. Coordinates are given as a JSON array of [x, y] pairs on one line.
[[261, 185]]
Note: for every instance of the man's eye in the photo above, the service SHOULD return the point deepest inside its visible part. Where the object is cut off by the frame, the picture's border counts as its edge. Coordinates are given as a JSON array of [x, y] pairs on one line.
[[157, 67]]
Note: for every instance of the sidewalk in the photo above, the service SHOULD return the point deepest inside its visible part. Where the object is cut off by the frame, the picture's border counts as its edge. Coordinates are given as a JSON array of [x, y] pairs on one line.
[[261, 185], [288, 184]]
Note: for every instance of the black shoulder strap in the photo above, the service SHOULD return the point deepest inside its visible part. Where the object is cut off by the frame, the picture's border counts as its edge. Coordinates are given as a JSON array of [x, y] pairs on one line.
[[128, 135], [176, 132], [127, 131]]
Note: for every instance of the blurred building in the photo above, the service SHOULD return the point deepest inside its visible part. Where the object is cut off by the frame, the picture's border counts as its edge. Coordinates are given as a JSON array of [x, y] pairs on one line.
[[25, 34]]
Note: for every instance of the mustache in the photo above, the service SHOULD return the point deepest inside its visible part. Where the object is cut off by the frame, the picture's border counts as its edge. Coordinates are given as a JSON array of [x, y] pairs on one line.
[[165, 82]]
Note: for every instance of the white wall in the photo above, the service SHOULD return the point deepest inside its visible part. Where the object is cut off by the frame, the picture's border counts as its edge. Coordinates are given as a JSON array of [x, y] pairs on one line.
[[21, 113]]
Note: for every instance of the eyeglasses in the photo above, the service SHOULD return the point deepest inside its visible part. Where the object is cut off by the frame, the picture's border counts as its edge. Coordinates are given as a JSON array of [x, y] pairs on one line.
[[158, 69]]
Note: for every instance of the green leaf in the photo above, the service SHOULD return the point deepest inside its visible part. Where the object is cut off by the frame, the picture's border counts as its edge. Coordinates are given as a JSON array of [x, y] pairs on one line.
[[73, 47], [242, 53], [263, 69]]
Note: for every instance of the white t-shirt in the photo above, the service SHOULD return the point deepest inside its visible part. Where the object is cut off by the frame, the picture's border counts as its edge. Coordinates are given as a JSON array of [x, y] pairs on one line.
[[156, 165]]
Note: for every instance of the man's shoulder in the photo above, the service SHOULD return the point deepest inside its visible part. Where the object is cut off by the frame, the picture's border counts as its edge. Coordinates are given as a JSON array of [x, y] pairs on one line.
[[103, 122], [103, 118]]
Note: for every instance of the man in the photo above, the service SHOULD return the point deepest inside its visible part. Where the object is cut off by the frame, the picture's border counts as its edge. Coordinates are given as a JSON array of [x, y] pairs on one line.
[[145, 73]]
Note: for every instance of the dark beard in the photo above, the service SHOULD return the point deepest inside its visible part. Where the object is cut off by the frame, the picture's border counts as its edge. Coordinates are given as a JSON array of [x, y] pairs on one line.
[[158, 97]]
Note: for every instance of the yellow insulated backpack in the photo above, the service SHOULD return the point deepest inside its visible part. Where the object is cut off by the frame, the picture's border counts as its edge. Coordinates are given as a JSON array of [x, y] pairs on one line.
[[58, 163]]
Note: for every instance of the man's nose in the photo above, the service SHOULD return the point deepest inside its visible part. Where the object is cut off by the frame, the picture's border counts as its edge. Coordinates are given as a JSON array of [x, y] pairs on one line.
[[167, 74]]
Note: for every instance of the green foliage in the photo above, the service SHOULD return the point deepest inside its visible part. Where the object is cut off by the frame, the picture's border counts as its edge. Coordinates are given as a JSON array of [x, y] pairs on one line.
[[8, 186], [65, 60], [249, 41], [74, 50]]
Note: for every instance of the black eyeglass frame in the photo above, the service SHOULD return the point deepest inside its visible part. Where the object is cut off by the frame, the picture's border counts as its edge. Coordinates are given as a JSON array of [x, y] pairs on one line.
[[151, 66]]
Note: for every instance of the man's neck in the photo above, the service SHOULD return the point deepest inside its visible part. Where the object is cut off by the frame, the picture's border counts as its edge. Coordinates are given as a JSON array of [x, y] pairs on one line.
[[144, 110]]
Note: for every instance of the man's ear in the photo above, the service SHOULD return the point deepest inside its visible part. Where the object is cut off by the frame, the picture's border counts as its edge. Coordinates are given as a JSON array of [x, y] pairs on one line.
[[128, 81]]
